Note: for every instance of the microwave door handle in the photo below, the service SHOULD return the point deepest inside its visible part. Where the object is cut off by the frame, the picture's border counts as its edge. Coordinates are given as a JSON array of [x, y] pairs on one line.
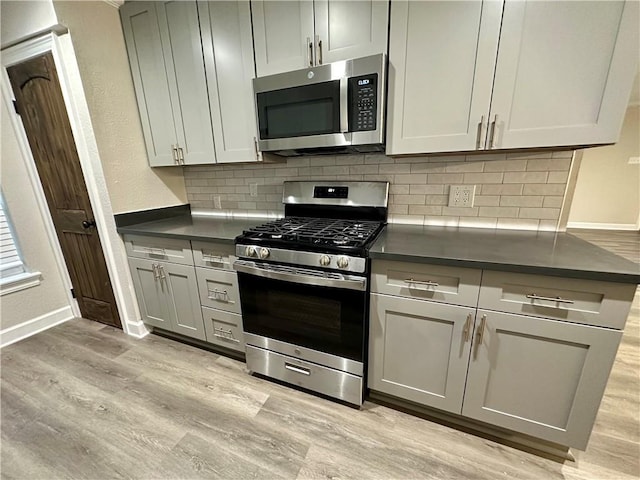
[[344, 105]]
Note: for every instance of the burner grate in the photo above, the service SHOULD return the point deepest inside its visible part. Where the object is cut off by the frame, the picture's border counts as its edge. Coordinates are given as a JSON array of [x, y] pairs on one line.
[[316, 231]]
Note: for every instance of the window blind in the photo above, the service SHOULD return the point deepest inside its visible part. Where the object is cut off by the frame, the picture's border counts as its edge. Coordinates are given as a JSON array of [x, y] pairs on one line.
[[10, 261]]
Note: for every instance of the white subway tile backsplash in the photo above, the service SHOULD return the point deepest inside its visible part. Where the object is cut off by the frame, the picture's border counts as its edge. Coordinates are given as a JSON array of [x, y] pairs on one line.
[[516, 190], [521, 201], [525, 177]]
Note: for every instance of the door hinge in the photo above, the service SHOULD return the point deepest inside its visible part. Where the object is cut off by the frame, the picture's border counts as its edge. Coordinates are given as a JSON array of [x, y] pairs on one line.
[[73, 293], [15, 107]]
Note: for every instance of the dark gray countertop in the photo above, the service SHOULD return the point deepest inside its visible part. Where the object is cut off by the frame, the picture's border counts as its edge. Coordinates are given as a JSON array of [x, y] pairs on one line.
[[542, 253], [223, 230]]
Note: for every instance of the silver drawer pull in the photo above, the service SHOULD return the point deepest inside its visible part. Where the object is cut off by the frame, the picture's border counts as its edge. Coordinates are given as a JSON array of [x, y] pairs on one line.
[[207, 257], [155, 251], [225, 334], [427, 283], [533, 296], [297, 369], [216, 294]]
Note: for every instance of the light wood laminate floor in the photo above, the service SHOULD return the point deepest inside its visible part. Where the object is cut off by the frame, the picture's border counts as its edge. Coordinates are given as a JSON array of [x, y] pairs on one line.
[[83, 400]]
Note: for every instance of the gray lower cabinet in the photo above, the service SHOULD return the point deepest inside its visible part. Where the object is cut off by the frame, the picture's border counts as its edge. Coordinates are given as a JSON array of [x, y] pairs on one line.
[[168, 296], [419, 350], [541, 377], [223, 328]]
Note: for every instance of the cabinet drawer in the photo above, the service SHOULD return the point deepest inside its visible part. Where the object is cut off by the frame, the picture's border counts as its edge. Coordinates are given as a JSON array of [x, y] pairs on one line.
[[213, 255], [428, 282], [218, 289], [173, 250], [589, 302], [223, 328]]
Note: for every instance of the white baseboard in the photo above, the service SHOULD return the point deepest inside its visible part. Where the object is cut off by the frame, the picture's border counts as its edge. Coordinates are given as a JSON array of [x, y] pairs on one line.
[[31, 327], [603, 226], [137, 329]]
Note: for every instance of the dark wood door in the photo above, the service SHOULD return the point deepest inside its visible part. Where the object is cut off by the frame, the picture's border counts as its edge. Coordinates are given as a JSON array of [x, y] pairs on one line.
[[41, 106]]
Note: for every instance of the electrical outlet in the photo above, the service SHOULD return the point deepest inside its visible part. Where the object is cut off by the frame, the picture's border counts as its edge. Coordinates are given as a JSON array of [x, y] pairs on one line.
[[253, 189], [216, 202], [634, 160], [461, 195]]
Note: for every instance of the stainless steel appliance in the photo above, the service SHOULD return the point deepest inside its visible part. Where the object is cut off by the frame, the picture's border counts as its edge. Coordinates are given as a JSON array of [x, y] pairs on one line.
[[304, 286], [333, 108]]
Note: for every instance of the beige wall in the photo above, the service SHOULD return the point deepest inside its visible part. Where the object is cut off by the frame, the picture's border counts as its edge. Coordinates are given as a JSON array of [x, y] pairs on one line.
[[515, 190], [29, 227], [608, 187], [23, 19], [102, 59]]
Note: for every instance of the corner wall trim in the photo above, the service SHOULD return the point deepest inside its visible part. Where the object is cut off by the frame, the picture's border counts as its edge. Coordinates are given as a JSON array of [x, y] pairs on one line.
[[137, 329], [603, 226], [35, 325]]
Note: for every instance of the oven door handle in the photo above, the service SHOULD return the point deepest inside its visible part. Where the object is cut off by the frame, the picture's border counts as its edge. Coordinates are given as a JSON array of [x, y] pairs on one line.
[[298, 276]]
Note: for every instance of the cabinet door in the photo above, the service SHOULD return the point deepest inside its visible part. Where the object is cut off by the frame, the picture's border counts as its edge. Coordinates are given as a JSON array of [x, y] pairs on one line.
[[349, 29], [183, 299], [282, 35], [419, 350], [151, 293], [564, 72], [180, 34], [228, 55], [142, 37], [544, 378], [441, 63]]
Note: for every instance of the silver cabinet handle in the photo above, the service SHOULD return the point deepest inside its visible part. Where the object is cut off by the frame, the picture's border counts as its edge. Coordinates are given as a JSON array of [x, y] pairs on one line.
[[319, 50], [156, 273], [174, 153], [533, 296], [479, 134], [310, 51], [427, 283], [155, 250], [162, 275], [208, 257], [255, 148], [215, 294], [180, 156], [297, 369], [467, 328], [225, 334], [492, 134], [480, 333]]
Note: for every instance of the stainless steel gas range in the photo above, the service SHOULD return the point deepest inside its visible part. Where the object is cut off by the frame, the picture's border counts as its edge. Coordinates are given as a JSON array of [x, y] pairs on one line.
[[304, 286]]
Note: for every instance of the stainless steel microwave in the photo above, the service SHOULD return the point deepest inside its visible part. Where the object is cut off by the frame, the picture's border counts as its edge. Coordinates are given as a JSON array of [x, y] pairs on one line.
[[333, 108]]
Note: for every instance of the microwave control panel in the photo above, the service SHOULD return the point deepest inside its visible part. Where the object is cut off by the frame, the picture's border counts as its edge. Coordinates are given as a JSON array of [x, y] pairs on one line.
[[363, 102]]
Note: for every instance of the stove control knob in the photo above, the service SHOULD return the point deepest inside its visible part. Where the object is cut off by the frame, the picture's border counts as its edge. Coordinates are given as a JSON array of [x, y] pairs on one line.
[[263, 253], [343, 262], [325, 260], [250, 251]]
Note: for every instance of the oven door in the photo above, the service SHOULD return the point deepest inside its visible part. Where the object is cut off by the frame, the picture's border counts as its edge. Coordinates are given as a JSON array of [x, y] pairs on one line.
[[317, 310]]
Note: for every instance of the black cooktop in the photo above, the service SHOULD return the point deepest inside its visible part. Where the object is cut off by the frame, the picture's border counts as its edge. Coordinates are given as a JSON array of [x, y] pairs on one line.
[[301, 233]]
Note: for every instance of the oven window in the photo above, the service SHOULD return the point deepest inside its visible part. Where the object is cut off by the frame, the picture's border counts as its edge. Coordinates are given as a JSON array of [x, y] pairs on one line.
[[326, 319], [300, 111]]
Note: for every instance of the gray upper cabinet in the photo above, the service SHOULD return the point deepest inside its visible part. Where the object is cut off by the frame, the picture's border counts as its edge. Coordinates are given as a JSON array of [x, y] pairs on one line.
[[540, 377], [561, 75], [228, 57], [299, 34], [165, 54], [419, 350], [142, 35]]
